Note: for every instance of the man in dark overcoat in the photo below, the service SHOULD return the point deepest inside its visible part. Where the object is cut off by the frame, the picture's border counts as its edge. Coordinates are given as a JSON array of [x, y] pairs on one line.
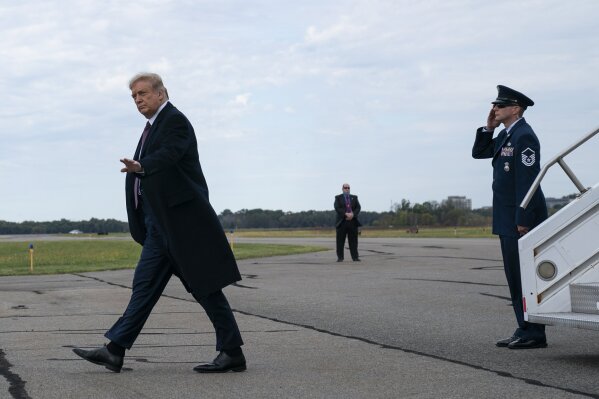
[[347, 208], [170, 216], [516, 155]]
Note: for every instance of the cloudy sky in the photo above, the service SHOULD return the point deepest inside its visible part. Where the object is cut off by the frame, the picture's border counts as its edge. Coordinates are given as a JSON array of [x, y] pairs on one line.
[[289, 99]]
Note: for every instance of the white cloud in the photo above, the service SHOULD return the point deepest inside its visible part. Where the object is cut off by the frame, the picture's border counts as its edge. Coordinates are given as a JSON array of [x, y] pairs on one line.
[[242, 99], [280, 92], [345, 29]]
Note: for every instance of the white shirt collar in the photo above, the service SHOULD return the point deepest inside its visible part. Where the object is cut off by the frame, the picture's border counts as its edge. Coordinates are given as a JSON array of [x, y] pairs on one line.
[[153, 118], [507, 129]]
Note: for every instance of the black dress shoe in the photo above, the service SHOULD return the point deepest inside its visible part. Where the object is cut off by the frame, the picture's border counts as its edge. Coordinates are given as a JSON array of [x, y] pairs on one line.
[[339, 260], [102, 357], [505, 342], [223, 363], [524, 343], [357, 260]]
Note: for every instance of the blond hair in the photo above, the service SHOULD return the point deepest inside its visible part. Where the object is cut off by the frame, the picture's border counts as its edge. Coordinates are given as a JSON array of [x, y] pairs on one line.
[[153, 78]]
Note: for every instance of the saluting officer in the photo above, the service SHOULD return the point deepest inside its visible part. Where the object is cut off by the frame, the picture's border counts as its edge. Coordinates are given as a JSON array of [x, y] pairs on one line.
[[516, 157]]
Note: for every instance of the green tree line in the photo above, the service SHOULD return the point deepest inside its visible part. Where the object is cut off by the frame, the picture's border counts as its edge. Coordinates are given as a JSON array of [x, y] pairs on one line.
[[64, 226], [402, 215]]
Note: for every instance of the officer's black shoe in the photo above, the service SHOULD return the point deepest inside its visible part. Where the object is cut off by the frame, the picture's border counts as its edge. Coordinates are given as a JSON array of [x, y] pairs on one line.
[[524, 343], [339, 259], [102, 357], [505, 342], [357, 260]]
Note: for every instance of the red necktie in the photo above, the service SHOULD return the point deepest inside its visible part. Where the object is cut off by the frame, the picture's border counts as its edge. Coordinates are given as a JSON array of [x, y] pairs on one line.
[[136, 184]]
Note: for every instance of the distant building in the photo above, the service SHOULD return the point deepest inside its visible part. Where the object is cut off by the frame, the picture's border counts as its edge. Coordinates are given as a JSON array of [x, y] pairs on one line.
[[458, 202]]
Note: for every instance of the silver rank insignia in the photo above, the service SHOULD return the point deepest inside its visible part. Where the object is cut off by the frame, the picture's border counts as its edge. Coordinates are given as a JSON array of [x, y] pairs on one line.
[[528, 157], [506, 166]]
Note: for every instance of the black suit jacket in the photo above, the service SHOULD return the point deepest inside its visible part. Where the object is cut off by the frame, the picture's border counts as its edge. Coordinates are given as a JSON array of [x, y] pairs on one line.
[[175, 188], [340, 209]]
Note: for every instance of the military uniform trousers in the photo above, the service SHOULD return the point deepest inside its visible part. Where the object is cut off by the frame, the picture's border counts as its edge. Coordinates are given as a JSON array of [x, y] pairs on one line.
[[511, 265]]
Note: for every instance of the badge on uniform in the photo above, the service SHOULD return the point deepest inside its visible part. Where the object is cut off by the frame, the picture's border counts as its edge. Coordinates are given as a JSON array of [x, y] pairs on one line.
[[507, 151], [528, 157]]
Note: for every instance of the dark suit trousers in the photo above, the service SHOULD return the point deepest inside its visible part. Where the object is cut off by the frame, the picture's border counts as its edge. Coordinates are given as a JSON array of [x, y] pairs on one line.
[[151, 275], [511, 265], [347, 228]]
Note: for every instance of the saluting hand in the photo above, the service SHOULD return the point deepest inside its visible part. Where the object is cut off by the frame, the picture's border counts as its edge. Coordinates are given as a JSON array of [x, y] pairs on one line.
[[131, 166], [491, 121]]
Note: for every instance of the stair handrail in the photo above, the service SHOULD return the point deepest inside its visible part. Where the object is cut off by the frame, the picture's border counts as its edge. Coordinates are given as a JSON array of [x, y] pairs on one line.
[[559, 159]]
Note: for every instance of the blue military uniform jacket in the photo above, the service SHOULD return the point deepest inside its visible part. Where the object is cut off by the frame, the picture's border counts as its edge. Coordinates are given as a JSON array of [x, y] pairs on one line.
[[516, 163]]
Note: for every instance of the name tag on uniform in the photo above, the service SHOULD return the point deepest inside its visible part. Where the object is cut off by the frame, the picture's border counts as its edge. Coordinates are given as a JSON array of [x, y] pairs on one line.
[[507, 152]]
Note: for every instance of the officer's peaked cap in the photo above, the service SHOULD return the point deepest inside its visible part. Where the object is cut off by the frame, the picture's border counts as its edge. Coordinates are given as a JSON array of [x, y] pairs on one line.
[[508, 96]]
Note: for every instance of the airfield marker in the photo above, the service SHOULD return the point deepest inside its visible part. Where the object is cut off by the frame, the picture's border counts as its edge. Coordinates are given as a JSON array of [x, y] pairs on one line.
[[31, 258]]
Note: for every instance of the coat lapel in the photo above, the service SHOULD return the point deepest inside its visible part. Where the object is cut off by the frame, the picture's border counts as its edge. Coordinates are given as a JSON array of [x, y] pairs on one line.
[[153, 129]]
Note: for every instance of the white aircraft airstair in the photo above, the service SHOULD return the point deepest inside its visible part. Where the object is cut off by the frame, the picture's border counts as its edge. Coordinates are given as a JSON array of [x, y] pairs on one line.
[[559, 259]]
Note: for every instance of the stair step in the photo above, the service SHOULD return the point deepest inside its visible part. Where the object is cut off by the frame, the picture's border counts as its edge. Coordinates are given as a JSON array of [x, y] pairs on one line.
[[585, 298], [567, 319]]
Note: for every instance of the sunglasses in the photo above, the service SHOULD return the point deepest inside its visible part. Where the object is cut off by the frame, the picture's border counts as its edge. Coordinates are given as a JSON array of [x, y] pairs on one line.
[[503, 105], [344, 187]]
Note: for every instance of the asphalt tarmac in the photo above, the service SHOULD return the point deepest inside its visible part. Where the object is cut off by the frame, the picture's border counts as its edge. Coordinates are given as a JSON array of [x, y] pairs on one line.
[[417, 318]]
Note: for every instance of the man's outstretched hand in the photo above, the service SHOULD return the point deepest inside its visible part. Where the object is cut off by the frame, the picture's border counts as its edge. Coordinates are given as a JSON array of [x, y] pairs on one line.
[[131, 166]]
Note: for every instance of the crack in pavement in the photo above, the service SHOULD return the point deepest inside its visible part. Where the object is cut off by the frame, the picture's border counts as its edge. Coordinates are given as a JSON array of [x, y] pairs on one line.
[[498, 267], [244, 286], [449, 257], [128, 287], [425, 354], [377, 252], [450, 281], [498, 296], [402, 349], [16, 384]]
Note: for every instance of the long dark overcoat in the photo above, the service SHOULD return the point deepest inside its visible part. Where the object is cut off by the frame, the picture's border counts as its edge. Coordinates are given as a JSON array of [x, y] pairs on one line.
[[175, 188]]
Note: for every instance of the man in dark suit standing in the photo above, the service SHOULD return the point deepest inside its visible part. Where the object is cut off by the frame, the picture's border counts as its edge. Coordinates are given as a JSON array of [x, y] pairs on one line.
[[348, 208], [516, 155], [170, 216]]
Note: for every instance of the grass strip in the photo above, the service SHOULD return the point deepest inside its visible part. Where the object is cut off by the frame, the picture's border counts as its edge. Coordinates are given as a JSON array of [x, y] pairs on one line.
[[55, 257]]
